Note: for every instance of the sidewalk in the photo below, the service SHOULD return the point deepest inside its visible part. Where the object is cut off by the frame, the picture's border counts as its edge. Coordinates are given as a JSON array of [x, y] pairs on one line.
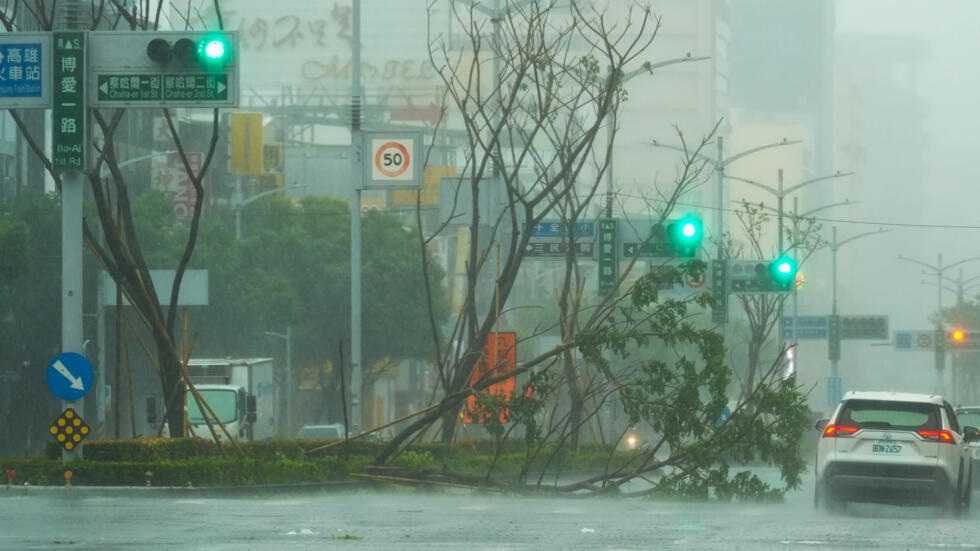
[[180, 491]]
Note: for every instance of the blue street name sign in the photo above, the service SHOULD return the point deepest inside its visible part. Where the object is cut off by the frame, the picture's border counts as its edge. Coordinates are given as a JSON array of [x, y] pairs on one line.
[[25, 70], [806, 327], [556, 228], [69, 376]]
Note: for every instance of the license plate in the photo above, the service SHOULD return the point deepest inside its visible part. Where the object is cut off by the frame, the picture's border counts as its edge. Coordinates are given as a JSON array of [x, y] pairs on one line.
[[886, 448]]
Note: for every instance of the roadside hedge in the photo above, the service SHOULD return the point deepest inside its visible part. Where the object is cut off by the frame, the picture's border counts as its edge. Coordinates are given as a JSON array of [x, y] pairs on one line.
[[199, 472], [160, 449]]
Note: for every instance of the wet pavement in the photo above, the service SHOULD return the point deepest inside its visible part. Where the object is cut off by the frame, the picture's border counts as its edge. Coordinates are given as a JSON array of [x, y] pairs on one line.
[[417, 520]]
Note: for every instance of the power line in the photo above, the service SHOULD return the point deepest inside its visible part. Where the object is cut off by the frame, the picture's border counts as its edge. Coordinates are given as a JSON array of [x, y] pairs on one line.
[[863, 222]]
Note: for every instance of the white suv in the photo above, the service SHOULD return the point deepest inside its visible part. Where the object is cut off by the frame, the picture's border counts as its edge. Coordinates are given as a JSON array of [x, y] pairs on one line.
[[893, 447]]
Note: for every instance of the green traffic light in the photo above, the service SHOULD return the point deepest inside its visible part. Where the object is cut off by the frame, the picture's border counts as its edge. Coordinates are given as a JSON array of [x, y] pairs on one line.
[[686, 234], [213, 51], [783, 271]]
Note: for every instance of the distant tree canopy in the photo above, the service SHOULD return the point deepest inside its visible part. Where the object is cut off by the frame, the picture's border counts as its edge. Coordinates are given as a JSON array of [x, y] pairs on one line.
[[292, 267], [30, 278]]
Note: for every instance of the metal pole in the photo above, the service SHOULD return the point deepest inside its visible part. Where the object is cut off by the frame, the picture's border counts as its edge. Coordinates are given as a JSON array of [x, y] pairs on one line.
[[100, 369], [959, 290], [610, 130], [779, 211], [289, 379], [355, 221], [940, 336], [796, 302], [720, 190], [834, 363], [956, 363], [239, 199], [498, 193], [72, 193]]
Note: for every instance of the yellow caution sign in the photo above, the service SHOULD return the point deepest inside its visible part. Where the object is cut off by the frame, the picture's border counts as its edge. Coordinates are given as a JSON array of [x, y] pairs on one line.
[[245, 144], [69, 429]]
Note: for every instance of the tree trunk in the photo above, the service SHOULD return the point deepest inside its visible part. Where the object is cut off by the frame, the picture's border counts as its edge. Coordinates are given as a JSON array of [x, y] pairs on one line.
[[575, 405], [755, 351], [173, 389], [449, 420]]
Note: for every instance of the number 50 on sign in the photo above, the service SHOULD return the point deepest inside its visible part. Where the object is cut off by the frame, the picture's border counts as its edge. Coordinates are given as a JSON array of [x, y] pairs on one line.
[[391, 159]]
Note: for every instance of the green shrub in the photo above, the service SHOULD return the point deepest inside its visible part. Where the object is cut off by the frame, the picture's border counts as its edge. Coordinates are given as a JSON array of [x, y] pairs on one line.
[[206, 471]]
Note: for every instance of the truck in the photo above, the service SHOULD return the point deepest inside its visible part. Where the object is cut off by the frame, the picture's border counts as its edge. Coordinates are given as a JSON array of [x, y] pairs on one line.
[[240, 392]]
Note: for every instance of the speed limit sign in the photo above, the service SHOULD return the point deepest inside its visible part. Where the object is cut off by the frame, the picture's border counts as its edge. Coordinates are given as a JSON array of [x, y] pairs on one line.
[[392, 159]]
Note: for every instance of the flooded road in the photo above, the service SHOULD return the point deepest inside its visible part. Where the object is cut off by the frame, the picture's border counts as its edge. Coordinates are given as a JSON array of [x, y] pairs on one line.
[[413, 520]]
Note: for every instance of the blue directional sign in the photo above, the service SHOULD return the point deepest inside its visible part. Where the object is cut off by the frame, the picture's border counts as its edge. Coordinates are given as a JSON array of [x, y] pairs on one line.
[[805, 327], [69, 376], [557, 228], [25, 70]]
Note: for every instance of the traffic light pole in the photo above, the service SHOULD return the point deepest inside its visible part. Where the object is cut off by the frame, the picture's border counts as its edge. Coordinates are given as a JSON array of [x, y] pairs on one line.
[[834, 358], [938, 269]]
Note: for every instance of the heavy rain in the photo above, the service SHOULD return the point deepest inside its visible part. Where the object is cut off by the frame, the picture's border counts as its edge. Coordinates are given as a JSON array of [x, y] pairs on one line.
[[489, 274]]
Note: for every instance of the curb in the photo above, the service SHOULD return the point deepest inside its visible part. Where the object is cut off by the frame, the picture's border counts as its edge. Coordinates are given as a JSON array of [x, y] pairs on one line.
[[180, 491]]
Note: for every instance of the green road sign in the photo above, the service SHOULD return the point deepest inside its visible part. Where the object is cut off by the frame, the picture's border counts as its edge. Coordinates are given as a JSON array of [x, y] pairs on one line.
[[719, 288], [864, 327], [647, 249], [162, 87], [68, 118], [607, 257]]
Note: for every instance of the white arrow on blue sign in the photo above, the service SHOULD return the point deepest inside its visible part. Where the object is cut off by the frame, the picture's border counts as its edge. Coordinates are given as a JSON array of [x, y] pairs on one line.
[[69, 376]]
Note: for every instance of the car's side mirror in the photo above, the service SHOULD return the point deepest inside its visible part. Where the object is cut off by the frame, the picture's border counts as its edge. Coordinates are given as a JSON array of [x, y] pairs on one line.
[[821, 424], [971, 434]]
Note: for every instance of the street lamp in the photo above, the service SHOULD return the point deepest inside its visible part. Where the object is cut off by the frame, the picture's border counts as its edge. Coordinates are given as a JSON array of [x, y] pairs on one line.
[[835, 246], [939, 269], [241, 203], [781, 192], [646, 68]]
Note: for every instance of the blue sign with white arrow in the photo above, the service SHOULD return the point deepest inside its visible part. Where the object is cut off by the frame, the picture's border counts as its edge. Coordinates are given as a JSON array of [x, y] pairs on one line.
[[69, 376]]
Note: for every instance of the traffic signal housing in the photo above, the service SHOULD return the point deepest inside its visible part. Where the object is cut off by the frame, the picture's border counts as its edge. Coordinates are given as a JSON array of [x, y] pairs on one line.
[[958, 337], [761, 276], [783, 272], [684, 235], [208, 51]]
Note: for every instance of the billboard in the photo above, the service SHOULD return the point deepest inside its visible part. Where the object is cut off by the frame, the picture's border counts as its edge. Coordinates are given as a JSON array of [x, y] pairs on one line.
[[431, 179], [305, 47], [499, 358], [170, 176]]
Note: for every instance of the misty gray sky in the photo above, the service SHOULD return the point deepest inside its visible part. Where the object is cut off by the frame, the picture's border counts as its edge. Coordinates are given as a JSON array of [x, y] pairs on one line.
[[950, 86]]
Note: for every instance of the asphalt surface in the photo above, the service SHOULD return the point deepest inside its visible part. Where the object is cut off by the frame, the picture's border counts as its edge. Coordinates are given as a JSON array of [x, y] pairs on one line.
[[418, 520]]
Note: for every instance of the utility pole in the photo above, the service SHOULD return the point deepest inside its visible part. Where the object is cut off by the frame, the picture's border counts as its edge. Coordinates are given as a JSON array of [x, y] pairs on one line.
[[72, 199], [357, 170], [940, 334]]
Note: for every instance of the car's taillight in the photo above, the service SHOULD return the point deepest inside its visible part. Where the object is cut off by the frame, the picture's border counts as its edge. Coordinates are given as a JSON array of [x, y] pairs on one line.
[[941, 436], [836, 431]]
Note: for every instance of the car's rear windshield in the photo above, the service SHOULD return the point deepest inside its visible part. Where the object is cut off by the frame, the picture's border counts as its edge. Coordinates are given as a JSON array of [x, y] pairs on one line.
[[870, 414]]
